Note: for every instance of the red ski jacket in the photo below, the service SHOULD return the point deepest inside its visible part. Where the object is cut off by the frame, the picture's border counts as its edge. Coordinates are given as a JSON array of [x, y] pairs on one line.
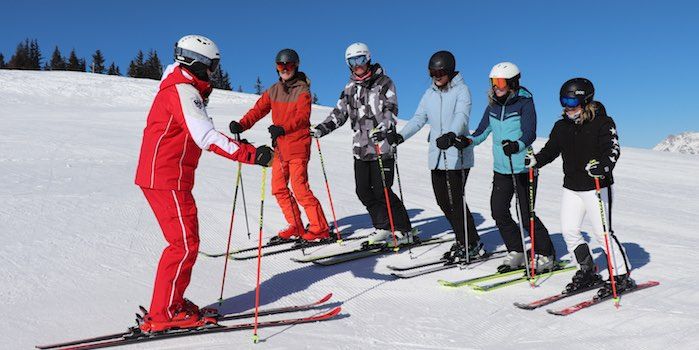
[[177, 129], [290, 103]]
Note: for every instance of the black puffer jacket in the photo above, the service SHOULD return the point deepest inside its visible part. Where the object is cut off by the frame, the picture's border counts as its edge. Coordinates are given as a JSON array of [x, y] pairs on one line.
[[578, 144]]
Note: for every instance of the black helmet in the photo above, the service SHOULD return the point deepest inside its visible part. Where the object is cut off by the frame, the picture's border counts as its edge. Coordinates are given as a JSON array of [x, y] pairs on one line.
[[286, 56], [577, 91], [442, 60]]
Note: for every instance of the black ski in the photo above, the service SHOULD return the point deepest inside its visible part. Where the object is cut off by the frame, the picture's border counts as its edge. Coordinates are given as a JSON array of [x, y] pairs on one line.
[[368, 250], [416, 270]]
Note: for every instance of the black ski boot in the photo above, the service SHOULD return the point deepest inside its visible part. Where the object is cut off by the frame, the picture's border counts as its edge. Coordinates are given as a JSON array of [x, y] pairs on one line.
[[587, 276], [458, 253], [623, 283]]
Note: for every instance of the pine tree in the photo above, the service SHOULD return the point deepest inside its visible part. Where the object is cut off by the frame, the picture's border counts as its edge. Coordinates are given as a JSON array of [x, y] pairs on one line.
[[82, 65], [57, 61], [34, 55], [73, 62], [113, 69], [2, 61], [220, 79], [315, 99], [136, 66], [98, 62], [152, 68], [20, 60], [258, 86], [240, 88]]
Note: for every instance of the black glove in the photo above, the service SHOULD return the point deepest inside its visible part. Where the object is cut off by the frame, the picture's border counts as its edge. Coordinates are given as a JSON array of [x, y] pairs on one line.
[[319, 131], [377, 135], [446, 140], [510, 147], [275, 131], [461, 142], [235, 127], [394, 138], [264, 156]]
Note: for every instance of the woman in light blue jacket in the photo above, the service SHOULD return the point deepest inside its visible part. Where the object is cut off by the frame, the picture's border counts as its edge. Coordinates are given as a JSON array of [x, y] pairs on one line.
[[446, 106]]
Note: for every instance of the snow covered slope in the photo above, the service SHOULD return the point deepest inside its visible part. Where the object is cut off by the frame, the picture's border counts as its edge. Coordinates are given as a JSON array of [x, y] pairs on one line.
[[686, 142], [80, 244]]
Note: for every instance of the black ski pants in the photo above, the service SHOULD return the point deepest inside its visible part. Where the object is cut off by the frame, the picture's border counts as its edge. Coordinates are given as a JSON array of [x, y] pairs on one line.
[[453, 208], [369, 187]]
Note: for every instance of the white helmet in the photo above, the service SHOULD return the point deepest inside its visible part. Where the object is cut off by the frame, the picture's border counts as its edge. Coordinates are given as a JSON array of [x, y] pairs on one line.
[[197, 48], [357, 49], [507, 70]]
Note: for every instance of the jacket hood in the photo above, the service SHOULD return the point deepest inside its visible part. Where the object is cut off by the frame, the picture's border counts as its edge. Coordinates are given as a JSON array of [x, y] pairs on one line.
[[175, 74]]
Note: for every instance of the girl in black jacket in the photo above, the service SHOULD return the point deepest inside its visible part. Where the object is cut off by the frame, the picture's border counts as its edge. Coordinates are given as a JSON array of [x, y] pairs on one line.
[[587, 140]]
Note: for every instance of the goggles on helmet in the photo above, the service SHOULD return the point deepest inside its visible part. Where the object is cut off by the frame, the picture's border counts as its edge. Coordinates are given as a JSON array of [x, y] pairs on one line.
[[286, 66], [570, 102], [357, 61]]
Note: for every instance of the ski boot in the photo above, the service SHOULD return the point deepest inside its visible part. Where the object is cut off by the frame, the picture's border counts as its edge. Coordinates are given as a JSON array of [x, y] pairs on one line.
[[544, 264], [290, 232], [310, 236], [457, 253], [623, 283], [402, 238], [183, 318], [584, 278], [513, 261], [379, 236]]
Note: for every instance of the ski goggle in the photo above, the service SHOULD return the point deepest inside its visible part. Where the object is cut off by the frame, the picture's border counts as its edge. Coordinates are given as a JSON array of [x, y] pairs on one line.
[[437, 73], [570, 102], [500, 83], [214, 64], [189, 57], [288, 66], [357, 61]]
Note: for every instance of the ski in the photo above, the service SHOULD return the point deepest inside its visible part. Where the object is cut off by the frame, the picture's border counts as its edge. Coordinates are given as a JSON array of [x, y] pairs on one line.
[[367, 251], [506, 283], [135, 336], [554, 298], [596, 300], [225, 317], [445, 265], [298, 245], [479, 279]]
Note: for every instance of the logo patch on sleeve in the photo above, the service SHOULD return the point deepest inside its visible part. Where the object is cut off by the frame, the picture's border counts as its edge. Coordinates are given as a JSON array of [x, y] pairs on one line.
[[199, 103]]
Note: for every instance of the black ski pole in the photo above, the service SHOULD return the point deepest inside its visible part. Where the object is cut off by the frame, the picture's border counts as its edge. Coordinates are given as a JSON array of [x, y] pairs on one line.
[[519, 219]]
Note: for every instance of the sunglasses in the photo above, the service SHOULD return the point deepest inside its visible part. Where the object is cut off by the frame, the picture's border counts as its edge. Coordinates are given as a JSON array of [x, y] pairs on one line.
[[500, 83], [357, 61], [437, 73], [288, 66], [570, 102]]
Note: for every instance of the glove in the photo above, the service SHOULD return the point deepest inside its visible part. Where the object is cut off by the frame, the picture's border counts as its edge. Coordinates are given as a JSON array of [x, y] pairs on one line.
[[394, 138], [275, 131], [319, 131], [510, 147], [235, 127], [264, 156], [446, 140], [530, 161], [461, 142], [377, 135], [595, 169]]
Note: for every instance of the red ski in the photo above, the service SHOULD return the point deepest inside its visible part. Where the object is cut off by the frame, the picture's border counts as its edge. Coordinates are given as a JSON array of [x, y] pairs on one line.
[[596, 300]]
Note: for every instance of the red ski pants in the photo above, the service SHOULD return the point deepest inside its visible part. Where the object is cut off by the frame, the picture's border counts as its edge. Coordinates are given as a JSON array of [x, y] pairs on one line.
[[296, 171], [176, 212]]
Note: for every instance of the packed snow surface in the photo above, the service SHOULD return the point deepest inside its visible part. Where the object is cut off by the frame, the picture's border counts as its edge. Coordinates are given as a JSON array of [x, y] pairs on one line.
[[80, 244]]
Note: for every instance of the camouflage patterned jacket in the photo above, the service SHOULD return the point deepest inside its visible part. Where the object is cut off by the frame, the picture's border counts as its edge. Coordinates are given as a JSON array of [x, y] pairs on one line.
[[368, 104]]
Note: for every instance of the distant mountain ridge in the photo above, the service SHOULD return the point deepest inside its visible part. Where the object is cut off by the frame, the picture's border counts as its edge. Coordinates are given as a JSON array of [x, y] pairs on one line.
[[686, 142]]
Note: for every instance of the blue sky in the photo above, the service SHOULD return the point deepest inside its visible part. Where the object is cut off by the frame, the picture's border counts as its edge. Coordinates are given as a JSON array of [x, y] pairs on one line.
[[641, 56]]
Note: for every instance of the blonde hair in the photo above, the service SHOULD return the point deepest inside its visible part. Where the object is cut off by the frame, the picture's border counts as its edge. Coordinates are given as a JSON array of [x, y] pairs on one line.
[[589, 112]]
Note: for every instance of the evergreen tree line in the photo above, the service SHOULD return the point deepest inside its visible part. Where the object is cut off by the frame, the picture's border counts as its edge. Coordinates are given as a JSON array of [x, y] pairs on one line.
[[28, 56]]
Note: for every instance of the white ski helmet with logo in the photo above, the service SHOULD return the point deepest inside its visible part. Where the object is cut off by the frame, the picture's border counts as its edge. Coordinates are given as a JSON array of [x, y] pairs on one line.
[[197, 48], [357, 49], [507, 70]]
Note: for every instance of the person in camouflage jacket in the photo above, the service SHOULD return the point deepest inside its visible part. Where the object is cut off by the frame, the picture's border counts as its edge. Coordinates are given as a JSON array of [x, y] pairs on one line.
[[370, 103]]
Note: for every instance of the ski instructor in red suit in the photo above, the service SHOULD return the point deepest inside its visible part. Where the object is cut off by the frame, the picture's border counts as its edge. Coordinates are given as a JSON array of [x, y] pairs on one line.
[[177, 130]]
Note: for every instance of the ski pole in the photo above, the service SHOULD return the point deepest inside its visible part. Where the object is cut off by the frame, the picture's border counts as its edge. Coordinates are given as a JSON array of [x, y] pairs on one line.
[[242, 189], [255, 337], [385, 193], [400, 190], [531, 223], [519, 219], [238, 179], [327, 187], [606, 241], [463, 202]]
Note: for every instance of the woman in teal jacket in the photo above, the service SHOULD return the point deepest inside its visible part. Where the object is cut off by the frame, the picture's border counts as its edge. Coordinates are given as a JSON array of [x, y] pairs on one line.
[[511, 118], [446, 106]]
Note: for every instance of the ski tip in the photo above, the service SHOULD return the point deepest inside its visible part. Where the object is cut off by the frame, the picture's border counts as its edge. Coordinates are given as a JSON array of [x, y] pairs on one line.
[[333, 312], [552, 312], [325, 298], [523, 306]]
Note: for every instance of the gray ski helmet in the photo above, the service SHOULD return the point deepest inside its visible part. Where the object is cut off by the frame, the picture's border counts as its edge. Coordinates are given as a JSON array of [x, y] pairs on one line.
[[442, 60], [286, 56], [579, 89]]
